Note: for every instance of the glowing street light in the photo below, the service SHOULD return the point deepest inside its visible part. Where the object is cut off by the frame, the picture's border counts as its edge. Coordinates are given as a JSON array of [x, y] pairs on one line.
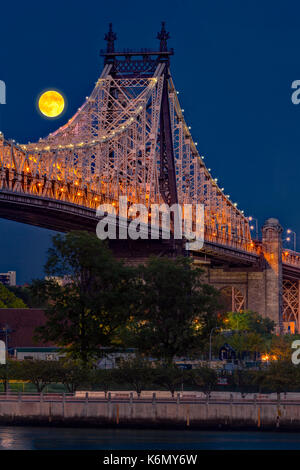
[[288, 239], [252, 226]]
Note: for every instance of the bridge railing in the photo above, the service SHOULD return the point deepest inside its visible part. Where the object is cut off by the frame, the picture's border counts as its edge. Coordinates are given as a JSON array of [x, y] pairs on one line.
[[291, 257], [29, 181], [234, 241]]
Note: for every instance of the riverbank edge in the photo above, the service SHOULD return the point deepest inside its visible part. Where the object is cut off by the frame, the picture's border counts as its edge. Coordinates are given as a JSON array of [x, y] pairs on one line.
[[153, 415], [147, 424]]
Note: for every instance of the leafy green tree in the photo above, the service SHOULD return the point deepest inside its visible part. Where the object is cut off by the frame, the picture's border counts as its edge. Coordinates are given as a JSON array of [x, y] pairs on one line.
[[280, 347], [25, 294], [244, 380], [136, 372], [255, 343], [279, 377], [74, 374], [261, 325], [169, 377], [84, 311], [9, 300], [248, 320], [246, 332], [8, 371], [175, 310], [39, 373], [205, 378], [4, 375], [103, 379], [247, 342]]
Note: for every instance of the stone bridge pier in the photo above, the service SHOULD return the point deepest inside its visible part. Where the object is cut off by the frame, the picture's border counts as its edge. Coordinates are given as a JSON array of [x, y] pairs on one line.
[[257, 287], [266, 283]]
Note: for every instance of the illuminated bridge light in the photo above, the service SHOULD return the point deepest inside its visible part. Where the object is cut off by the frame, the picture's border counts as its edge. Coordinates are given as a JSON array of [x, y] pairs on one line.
[[118, 152]]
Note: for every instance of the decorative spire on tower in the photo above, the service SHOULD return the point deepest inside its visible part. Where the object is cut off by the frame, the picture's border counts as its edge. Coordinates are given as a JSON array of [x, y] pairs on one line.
[[110, 37], [163, 36]]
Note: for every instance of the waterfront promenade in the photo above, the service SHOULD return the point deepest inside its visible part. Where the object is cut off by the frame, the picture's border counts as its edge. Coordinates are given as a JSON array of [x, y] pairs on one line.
[[154, 409]]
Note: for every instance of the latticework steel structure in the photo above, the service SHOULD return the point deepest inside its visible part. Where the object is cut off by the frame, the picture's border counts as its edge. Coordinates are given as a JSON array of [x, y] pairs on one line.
[[128, 138], [291, 302], [234, 298]]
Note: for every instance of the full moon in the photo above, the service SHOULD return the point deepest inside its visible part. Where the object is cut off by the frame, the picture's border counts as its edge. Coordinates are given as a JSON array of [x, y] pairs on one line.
[[51, 103]]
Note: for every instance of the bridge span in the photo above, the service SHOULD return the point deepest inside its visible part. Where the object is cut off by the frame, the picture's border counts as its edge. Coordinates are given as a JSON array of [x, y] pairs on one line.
[[130, 138]]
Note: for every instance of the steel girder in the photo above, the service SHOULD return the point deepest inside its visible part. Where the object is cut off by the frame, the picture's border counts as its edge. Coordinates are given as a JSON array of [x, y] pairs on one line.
[[130, 139]]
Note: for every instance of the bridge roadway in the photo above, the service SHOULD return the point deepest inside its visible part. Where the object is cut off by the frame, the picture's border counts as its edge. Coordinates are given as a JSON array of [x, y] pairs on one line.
[[64, 216]]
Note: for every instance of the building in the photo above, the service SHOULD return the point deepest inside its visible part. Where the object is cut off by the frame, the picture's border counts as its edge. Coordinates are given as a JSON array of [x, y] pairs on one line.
[[17, 329], [61, 281], [9, 278], [37, 353]]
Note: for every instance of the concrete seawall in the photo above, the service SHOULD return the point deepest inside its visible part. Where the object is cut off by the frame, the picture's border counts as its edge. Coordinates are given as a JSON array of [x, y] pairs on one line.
[[250, 413]]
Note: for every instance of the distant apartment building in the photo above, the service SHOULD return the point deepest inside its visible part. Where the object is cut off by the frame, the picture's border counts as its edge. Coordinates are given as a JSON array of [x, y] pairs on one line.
[[62, 281], [8, 279]]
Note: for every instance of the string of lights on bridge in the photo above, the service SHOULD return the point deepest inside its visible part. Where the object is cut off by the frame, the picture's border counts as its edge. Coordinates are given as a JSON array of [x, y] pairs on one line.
[[113, 133], [202, 157], [188, 128], [124, 126]]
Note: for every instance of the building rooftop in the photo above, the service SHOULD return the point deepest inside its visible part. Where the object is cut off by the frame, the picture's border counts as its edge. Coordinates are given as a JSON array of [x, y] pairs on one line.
[[22, 323]]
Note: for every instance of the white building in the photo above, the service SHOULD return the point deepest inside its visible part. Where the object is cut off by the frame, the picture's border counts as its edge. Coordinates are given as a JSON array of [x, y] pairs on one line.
[[9, 278]]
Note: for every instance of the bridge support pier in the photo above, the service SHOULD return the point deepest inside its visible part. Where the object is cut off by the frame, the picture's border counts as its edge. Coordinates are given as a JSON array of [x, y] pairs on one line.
[[272, 251], [257, 288]]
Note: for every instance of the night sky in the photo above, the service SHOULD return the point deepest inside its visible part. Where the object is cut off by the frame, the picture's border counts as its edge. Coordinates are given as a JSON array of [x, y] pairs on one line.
[[234, 65]]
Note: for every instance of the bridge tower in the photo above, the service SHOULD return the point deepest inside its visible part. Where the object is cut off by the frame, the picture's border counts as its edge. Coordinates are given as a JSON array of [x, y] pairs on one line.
[[272, 251], [142, 63]]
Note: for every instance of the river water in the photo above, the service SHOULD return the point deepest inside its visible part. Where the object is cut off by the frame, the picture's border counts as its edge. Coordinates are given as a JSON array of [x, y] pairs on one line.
[[46, 438]]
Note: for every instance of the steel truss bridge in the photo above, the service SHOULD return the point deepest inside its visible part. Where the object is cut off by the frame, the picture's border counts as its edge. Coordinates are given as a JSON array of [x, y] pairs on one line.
[[129, 138]]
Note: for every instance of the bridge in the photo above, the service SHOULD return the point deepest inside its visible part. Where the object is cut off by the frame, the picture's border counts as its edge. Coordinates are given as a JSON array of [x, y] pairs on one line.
[[130, 138]]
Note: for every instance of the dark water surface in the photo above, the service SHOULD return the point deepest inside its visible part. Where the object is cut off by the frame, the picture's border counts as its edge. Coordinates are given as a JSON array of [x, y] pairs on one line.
[[43, 438]]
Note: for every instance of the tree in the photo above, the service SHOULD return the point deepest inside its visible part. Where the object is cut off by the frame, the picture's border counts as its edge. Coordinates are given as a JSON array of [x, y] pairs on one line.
[[86, 307], [74, 374], [103, 378], [258, 324], [9, 300], [248, 320], [247, 342], [8, 371], [39, 373], [137, 372], [244, 380], [280, 347], [205, 378], [174, 309], [25, 294], [278, 377], [169, 377]]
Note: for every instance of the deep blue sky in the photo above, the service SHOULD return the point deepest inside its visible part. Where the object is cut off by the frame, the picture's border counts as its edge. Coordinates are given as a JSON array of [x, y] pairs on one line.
[[234, 64]]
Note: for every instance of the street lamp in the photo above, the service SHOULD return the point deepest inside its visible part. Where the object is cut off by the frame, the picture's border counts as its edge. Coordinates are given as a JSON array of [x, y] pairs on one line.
[[254, 220], [288, 239]]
